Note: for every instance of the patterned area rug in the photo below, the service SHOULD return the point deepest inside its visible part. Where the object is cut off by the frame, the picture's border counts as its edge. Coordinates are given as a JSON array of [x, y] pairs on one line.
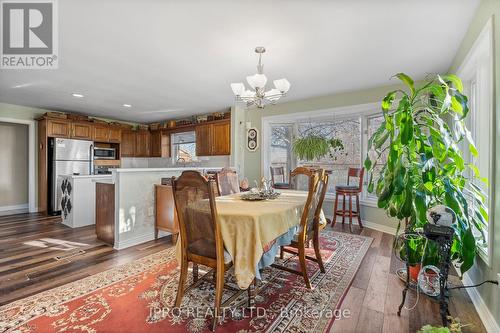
[[137, 297]]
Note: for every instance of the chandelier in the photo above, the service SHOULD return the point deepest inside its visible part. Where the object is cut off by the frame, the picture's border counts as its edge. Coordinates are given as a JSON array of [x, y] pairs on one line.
[[259, 96]]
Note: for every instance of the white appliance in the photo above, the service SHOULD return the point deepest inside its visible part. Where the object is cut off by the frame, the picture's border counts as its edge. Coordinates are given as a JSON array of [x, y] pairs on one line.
[[67, 157]]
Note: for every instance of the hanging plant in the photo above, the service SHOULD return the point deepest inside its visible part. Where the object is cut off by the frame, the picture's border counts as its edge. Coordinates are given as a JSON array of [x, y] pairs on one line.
[[313, 147], [425, 166]]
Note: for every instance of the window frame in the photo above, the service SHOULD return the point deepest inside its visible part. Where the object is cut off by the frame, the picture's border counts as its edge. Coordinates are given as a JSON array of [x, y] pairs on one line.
[[174, 147], [477, 68]]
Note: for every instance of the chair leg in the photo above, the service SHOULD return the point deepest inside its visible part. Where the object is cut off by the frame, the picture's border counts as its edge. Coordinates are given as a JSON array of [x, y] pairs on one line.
[[318, 252], [219, 287], [182, 283], [303, 266], [335, 205], [350, 213], [343, 208], [282, 253], [195, 272], [359, 211]]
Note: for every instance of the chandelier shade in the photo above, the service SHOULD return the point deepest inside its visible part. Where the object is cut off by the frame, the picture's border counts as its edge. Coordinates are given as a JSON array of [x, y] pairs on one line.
[[259, 96]]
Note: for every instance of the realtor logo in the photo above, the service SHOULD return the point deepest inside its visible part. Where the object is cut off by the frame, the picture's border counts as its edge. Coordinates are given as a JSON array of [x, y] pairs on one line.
[[29, 34]]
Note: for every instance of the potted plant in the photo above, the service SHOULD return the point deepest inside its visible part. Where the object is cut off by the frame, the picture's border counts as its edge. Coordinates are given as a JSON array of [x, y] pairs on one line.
[[422, 133], [313, 147]]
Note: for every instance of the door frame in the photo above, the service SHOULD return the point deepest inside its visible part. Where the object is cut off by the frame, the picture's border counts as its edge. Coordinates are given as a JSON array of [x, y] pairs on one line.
[[32, 200]]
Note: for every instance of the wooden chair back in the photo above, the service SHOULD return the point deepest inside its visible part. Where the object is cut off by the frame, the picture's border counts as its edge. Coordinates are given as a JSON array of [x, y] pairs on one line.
[[278, 174], [297, 177], [197, 213], [321, 193], [228, 181], [356, 173]]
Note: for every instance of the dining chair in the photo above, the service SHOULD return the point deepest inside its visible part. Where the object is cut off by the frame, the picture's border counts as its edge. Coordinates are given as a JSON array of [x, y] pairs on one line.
[[349, 191], [278, 177], [200, 236], [311, 223], [228, 181]]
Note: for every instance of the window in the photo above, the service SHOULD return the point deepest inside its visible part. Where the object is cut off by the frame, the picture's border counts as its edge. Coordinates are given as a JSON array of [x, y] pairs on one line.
[[184, 147]]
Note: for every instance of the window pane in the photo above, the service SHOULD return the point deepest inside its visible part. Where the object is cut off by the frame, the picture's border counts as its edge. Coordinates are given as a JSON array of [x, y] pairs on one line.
[[373, 124], [184, 146], [281, 148], [347, 130]]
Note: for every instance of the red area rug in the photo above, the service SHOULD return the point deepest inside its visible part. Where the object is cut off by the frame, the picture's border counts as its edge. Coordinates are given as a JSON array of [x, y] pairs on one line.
[[137, 297]]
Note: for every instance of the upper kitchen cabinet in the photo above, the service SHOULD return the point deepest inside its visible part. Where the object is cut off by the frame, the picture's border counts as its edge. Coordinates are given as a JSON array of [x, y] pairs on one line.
[[221, 138], [127, 146], [160, 143], [107, 133], [142, 143], [115, 134], [82, 130], [101, 132], [213, 139], [203, 140], [58, 128]]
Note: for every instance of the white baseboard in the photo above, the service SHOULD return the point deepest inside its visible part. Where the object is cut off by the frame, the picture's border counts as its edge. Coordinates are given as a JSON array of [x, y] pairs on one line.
[[375, 226], [13, 209], [120, 245], [484, 313]]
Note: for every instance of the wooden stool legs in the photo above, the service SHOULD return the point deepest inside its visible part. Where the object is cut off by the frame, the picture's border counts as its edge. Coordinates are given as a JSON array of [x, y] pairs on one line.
[[344, 212]]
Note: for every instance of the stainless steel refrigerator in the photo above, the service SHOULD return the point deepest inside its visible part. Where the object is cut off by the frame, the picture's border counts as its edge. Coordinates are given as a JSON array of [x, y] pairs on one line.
[[67, 157]]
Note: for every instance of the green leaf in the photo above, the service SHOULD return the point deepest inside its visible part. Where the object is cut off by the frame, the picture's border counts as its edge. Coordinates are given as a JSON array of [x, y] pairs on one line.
[[455, 80], [408, 81], [388, 100]]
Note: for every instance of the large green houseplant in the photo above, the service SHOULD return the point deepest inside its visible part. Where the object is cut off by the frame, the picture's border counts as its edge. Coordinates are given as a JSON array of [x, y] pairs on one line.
[[421, 135]]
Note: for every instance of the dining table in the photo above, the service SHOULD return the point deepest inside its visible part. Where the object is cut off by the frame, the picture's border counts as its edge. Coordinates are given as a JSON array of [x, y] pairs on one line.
[[254, 231]]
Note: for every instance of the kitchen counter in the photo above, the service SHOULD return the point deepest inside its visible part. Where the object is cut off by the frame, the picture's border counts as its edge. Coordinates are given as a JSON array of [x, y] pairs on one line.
[[133, 200]]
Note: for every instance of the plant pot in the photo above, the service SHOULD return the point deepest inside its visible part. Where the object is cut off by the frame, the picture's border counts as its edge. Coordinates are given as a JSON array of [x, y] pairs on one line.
[[414, 270]]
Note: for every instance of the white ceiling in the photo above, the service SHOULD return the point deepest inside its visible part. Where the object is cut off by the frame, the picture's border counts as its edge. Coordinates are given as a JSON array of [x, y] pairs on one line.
[[177, 58]]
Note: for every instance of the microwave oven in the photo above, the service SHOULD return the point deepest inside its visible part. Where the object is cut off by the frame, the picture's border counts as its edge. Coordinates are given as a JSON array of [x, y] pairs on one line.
[[104, 153]]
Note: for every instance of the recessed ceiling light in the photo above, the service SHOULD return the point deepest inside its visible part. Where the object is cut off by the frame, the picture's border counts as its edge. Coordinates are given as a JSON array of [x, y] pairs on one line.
[[77, 95], [127, 105]]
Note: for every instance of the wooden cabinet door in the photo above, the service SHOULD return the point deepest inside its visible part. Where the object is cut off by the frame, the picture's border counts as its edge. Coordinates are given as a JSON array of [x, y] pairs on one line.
[[127, 146], [166, 214], [142, 143], [101, 132], [221, 138], [165, 144], [58, 128], [203, 140], [83, 131], [155, 144], [115, 134]]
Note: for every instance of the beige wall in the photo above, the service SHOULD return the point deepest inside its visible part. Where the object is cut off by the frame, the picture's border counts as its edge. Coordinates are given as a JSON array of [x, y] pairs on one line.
[[481, 271], [14, 165]]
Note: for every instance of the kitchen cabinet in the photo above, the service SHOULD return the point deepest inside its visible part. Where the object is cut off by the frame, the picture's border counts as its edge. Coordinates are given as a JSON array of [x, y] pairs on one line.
[[115, 134], [127, 146], [58, 128], [142, 143], [221, 138], [203, 140], [160, 143], [82, 130], [101, 132], [107, 133], [213, 139]]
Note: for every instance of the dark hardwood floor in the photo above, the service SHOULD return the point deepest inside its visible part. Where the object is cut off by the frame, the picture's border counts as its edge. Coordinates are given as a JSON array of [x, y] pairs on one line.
[[38, 253]]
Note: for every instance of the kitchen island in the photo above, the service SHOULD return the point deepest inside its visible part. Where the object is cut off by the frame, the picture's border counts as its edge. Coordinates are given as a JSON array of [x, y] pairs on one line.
[[125, 205], [77, 198]]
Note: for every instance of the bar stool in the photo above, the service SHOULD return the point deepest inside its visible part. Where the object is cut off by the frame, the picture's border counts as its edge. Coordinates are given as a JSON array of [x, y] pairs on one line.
[[349, 191], [278, 177]]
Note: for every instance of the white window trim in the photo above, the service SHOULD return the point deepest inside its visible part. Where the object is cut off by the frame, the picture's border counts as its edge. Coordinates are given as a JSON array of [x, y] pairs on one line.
[[361, 110], [478, 65]]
